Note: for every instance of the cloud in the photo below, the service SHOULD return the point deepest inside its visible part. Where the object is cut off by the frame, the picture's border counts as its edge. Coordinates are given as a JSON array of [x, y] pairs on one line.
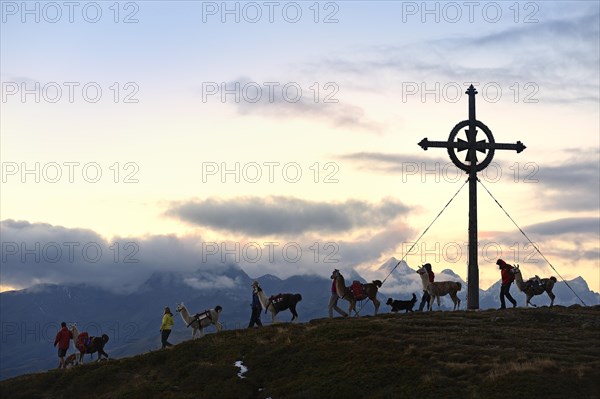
[[396, 163], [559, 57], [572, 185], [29, 257], [570, 244], [34, 253], [206, 281], [286, 215], [584, 225], [19, 79], [299, 102], [320, 256]]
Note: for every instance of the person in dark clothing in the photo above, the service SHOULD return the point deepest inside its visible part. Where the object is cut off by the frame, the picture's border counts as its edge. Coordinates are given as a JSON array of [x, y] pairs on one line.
[[506, 271], [62, 340], [426, 298], [256, 306], [333, 300]]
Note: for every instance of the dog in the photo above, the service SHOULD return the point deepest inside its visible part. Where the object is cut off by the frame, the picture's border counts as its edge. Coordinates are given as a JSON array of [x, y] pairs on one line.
[[402, 305], [71, 360]]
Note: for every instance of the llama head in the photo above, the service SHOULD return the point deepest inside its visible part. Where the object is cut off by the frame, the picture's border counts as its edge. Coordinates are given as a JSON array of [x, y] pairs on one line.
[[73, 329]]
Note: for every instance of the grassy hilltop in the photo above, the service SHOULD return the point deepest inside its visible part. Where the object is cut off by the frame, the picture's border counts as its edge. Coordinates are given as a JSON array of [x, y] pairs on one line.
[[516, 353]]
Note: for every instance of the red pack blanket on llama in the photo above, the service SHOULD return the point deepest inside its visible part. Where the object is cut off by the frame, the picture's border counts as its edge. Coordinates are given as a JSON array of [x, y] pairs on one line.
[[358, 290]]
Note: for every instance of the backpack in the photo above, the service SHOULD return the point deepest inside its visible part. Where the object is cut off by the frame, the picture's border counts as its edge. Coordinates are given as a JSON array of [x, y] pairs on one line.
[[83, 341]]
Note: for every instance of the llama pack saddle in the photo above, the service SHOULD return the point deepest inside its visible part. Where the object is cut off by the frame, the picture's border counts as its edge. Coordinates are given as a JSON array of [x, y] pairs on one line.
[[200, 316], [358, 290]]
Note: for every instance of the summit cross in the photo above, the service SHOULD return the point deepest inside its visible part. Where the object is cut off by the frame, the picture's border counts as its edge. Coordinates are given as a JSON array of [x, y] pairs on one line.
[[471, 165]]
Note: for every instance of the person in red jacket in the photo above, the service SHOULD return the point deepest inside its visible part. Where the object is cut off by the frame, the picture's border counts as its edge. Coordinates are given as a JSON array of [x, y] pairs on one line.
[[426, 297], [506, 271], [62, 340]]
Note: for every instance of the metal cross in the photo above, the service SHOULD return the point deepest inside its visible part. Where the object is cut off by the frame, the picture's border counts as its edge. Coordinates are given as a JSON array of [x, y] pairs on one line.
[[472, 166]]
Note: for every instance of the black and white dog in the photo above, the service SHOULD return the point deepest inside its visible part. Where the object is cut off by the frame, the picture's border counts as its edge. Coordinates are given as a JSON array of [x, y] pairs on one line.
[[402, 305]]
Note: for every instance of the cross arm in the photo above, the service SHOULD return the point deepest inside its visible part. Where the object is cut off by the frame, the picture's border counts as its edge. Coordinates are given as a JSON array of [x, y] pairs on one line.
[[425, 144], [461, 145], [485, 145], [519, 147]]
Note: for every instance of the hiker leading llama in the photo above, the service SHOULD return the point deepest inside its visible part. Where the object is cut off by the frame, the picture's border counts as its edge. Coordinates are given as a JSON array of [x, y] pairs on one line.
[[277, 303], [426, 298], [534, 286], [507, 275], [439, 289]]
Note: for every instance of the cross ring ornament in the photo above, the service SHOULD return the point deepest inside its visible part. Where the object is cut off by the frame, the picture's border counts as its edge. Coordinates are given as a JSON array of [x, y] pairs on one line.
[[461, 145]]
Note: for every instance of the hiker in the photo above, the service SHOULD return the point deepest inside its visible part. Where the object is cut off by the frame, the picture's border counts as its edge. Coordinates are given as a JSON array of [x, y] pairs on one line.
[[62, 340], [333, 299], [165, 327], [256, 307], [426, 298], [506, 271]]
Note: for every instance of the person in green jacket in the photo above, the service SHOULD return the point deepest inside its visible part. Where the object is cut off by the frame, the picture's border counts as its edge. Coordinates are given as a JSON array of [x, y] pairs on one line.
[[165, 327]]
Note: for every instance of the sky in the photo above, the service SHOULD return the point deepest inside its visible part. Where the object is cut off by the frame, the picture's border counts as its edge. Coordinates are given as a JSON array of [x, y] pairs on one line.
[[149, 136]]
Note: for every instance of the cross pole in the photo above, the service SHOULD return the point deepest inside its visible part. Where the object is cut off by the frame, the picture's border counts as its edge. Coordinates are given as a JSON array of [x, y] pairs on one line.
[[471, 166]]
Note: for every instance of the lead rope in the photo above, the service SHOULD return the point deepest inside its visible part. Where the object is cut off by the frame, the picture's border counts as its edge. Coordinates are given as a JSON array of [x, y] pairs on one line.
[[418, 239], [421, 236]]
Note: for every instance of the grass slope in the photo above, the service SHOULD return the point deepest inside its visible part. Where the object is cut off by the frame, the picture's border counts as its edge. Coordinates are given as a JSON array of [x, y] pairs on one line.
[[516, 353]]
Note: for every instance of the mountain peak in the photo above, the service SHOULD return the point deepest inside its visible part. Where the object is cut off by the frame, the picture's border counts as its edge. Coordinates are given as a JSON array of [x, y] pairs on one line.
[[449, 272], [160, 279], [398, 266], [580, 283], [392, 261], [268, 277]]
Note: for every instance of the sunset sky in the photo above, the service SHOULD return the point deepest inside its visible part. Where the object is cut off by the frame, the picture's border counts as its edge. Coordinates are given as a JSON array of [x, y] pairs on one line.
[[187, 135]]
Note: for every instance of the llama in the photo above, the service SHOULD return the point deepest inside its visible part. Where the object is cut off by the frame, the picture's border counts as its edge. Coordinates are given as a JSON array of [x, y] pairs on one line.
[[530, 290], [198, 323], [439, 289], [370, 291], [96, 344]]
